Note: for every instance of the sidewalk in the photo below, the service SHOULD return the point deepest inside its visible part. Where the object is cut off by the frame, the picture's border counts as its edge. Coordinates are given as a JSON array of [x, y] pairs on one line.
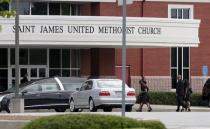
[[171, 108]]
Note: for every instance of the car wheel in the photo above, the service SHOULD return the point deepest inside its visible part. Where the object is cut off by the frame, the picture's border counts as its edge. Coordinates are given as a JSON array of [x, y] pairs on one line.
[[60, 109], [92, 106], [107, 109], [128, 108], [72, 106]]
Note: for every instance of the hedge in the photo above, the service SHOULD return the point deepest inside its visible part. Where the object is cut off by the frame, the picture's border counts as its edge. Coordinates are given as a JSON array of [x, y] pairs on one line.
[[169, 98], [90, 121]]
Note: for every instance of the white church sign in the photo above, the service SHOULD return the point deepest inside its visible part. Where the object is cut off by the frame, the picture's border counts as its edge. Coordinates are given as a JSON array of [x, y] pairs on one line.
[[89, 31]]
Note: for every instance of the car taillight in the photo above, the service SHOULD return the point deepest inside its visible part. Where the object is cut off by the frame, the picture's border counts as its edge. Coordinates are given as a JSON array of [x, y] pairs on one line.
[[104, 93], [131, 93]]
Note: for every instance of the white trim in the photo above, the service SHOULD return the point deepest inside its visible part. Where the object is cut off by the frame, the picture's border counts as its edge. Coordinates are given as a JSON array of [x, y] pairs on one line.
[[29, 7]]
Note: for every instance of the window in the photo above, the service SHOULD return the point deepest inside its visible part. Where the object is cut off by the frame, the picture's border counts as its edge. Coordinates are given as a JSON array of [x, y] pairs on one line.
[[39, 8], [180, 57], [83, 87], [4, 6], [3, 79], [3, 58], [89, 85], [75, 9], [64, 62], [54, 9], [23, 56], [65, 9], [24, 7], [49, 85], [55, 58], [32, 88], [47, 8], [41, 53]]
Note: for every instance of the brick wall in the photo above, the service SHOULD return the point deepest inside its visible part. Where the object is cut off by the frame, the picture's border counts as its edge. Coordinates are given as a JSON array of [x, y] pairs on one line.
[[155, 83], [197, 83]]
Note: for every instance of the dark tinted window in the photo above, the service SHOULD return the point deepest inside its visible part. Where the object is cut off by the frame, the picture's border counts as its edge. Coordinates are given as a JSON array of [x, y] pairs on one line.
[[55, 58], [75, 9], [186, 57], [23, 56], [32, 88], [186, 13], [173, 57], [39, 8], [54, 72], [54, 8], [4, 6], [180, 61], [65, 58], [65, 9], [186, 74], [179, 13], [41, 54], [3, 79], [173, 13], [173, 78], [3, 58]]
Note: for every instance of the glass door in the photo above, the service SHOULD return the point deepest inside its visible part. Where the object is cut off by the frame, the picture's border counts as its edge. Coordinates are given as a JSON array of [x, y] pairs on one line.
[[33, 72]]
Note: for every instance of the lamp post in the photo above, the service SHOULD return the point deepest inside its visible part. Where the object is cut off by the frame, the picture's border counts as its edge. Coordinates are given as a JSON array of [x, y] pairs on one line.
[[123, 55], [17, 103], [17, 50]]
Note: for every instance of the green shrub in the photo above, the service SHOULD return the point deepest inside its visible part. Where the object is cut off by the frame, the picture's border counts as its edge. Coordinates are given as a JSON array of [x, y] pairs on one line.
[[89, 121], [169, 98]]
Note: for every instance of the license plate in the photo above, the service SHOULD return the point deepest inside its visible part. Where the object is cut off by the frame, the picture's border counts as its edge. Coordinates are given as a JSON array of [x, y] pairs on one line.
[[118, 93]]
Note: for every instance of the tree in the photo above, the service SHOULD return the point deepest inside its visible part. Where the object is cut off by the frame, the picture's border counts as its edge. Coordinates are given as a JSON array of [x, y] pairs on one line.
[[6, 13]]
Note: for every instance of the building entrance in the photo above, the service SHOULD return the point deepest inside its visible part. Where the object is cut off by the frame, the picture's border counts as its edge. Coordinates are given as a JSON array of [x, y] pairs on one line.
[[34, 72]]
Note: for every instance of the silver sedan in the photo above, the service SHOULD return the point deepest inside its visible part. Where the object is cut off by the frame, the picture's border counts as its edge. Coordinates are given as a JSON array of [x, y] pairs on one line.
[[101, 93]]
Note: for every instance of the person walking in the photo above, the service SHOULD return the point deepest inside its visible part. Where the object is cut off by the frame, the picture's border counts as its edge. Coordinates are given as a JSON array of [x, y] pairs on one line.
[[179, 93], [187, 96], [144, 97], [25, 78]]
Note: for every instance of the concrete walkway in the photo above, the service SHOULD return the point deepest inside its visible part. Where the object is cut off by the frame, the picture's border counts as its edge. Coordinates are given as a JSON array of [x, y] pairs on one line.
[[171, 108], [197, 119]]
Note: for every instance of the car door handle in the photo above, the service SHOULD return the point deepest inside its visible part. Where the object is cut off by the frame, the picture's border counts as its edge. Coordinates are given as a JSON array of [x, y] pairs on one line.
[[58, 93]]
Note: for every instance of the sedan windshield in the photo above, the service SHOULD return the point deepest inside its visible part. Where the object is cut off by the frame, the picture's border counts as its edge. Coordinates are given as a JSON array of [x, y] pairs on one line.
[[110, 84]]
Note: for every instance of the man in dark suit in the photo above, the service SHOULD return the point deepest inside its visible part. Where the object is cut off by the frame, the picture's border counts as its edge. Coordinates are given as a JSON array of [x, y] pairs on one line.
[[179, 92], [25, 79]]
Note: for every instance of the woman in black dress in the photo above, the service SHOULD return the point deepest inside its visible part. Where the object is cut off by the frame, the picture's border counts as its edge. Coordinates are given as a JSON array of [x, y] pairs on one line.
[[144, 97]]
